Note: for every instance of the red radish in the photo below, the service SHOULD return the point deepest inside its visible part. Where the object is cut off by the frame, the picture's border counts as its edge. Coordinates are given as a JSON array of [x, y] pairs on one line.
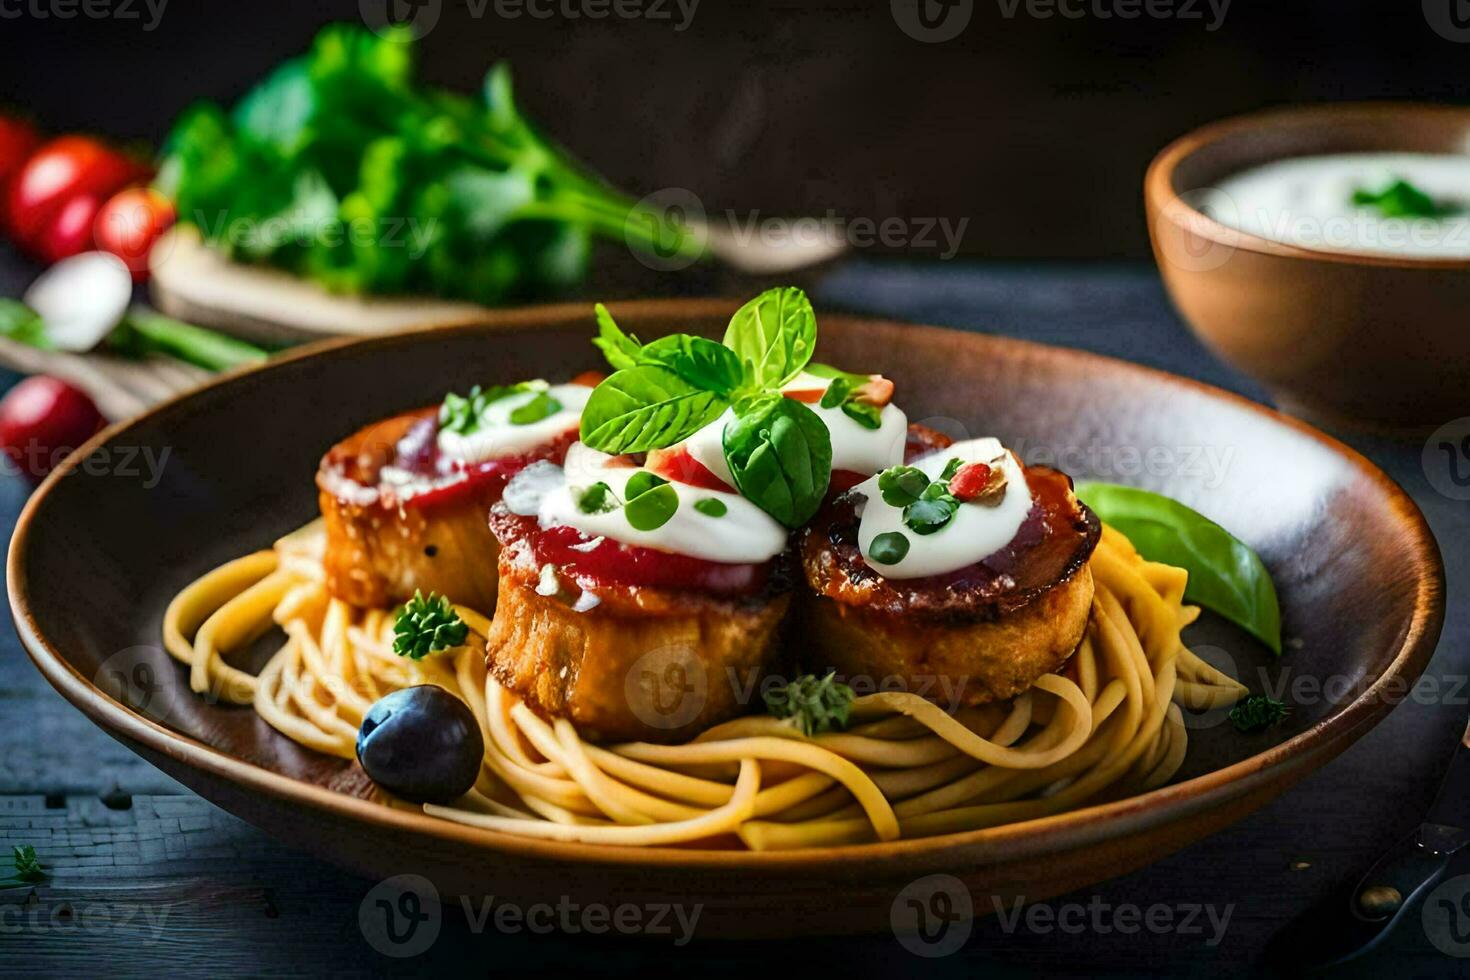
[[130, 223], [65, 168], [42, 419]]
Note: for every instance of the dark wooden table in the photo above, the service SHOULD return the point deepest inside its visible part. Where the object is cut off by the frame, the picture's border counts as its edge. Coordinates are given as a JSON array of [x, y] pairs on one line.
[[148, 878]]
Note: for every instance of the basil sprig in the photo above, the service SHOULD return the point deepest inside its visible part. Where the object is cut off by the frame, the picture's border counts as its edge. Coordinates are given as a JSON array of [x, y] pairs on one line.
[[1225, 575], [778, 450]]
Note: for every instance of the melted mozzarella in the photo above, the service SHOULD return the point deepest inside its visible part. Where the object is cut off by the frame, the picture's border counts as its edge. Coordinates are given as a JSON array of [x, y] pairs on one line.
[[975, 532], [497, 435], [744, 534], [855, 447]]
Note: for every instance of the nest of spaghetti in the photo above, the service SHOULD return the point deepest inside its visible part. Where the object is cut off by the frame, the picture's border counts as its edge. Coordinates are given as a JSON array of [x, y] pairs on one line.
[[1104, 723]]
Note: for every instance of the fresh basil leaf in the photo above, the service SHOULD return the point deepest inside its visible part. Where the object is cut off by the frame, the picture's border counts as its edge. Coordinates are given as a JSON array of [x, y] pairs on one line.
[[597, 499], [889, 548], [930, 513], [651, 509], [780, 454], [773, 335], [640, 483], [620, 349], [1225, 575], [902, 485], [710, 507], [539, 407], [702, 362], [646, 407]]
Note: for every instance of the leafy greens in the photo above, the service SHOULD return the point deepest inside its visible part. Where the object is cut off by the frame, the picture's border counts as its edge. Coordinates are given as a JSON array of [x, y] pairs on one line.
[[341, 168]]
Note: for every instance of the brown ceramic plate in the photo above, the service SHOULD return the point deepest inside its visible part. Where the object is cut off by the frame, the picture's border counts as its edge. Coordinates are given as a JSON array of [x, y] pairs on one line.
[[97, 554]]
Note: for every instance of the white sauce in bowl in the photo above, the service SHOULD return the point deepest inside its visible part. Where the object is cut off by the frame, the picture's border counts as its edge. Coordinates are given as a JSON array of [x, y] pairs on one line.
[[1308, 202], [497, 435], [855, 447], [743, 534], [975, 532]]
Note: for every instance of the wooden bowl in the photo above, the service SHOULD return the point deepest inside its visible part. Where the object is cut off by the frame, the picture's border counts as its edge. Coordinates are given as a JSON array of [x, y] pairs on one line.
[[98, 553], [1366, 341]]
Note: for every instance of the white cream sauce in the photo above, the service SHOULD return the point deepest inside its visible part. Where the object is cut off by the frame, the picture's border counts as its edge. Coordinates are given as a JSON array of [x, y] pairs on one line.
[[497, 435], [1308, 201], [976, 531], [743, 534]]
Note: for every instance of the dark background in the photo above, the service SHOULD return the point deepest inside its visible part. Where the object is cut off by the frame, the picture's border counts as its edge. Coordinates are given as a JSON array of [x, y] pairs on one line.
[[1036, 130]]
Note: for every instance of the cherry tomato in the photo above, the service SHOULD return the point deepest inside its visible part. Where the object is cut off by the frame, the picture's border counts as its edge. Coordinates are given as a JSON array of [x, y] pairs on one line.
[[69, 232], [18, 139], [63, 169], [42, 419], [130, 223]]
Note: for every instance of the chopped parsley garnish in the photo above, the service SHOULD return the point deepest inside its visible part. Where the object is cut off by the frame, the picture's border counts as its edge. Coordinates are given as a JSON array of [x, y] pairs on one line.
[[426, 626], [539, 407], [1257, 712], [710, 507], [1402, 199], [889, 548], [902, 485], [814, 704], [928, 506], [597, 499]]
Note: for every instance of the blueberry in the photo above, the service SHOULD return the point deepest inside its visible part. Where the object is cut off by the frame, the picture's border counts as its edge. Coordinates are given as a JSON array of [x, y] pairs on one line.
[[421, 743]]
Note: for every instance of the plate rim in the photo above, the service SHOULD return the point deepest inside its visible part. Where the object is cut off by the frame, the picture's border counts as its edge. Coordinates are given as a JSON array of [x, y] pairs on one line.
[[1015, 841]]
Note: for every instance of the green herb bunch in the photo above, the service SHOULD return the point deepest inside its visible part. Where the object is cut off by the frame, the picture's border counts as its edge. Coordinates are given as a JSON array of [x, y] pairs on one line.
[[778, 450], [426, 626], [814, 704], [340, 167]]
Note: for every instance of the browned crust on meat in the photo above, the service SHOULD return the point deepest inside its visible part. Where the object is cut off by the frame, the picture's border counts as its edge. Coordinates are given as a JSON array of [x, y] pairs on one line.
[[379, 552], [956, 665], [660, 674], [982, 634]]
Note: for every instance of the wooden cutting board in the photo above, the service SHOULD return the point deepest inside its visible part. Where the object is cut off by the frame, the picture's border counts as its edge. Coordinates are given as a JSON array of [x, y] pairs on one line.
[[194, 284]]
